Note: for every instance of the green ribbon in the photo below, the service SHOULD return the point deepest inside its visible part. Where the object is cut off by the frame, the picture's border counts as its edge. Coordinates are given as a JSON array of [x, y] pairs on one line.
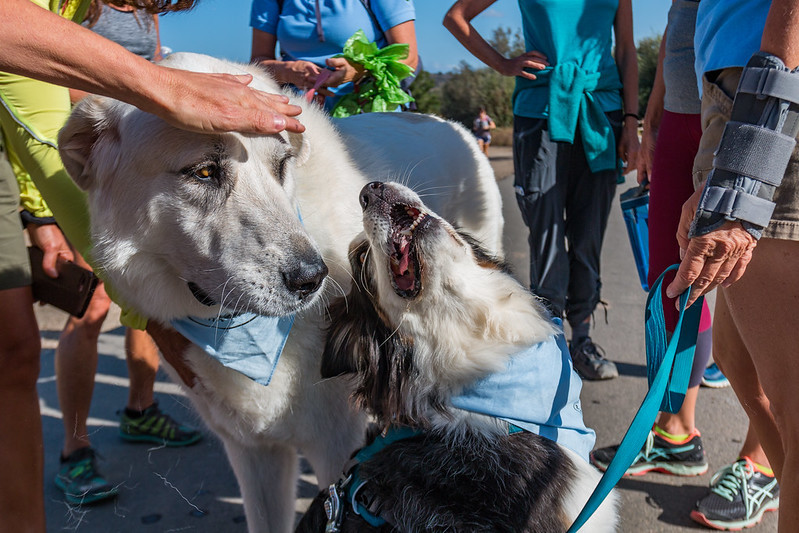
[[380, 90], [571, 98]]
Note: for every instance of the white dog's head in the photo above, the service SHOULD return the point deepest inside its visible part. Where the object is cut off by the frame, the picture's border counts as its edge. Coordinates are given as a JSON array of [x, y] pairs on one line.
[[430, 311], [185, 222]]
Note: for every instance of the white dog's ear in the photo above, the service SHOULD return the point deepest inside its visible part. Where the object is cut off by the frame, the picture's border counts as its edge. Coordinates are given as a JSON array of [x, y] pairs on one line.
[[302, 147], [77, 139]]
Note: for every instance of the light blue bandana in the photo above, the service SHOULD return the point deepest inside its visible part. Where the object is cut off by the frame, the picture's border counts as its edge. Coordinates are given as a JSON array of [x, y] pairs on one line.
[[247, 343], [538, 392]]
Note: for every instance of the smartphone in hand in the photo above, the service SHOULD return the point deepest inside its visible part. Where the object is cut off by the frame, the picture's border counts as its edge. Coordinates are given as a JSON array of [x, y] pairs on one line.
[[71, 291]]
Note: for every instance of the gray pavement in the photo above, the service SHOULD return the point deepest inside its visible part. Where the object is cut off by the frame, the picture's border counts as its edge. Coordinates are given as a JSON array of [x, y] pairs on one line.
[[193, 489]]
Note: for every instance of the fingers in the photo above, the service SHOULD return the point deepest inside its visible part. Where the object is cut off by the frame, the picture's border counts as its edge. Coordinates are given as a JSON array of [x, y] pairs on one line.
[[535, 54], [336, 62], [49, 260], [538, 65], [717, 258], [244, 79], [279, 103]]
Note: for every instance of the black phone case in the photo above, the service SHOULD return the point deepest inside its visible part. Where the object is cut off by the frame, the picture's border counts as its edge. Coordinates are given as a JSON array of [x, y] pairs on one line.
[[71, 291]]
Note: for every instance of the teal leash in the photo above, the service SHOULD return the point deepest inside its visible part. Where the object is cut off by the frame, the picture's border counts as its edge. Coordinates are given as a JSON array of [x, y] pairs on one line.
[[668, 371]]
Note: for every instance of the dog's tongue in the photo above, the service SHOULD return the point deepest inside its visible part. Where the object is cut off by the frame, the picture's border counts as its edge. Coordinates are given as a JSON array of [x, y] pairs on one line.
[[402, 275]]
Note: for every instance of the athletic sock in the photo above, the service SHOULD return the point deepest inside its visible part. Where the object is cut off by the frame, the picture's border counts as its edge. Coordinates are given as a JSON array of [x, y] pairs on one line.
[[766, 471], [676, 439]]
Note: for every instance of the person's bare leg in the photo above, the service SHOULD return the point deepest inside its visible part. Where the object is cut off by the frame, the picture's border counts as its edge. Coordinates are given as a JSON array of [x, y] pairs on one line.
[[21, 459], [142, 358], [733, 358], [764, 307], [683, 422], [76, 365], [752, 449]]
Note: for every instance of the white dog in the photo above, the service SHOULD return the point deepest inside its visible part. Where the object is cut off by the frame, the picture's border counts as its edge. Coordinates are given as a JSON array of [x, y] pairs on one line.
[[192, 225]]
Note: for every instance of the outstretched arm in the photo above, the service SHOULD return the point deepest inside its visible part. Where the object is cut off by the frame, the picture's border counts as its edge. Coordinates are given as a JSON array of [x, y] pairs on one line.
[[39, 44]]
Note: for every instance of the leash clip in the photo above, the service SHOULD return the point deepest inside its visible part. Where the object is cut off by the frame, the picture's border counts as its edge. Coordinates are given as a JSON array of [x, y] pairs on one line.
[[333, 509]]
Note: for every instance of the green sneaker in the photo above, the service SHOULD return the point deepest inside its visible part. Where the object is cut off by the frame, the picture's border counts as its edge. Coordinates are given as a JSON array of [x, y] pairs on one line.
[[156, 426], [80, 481]]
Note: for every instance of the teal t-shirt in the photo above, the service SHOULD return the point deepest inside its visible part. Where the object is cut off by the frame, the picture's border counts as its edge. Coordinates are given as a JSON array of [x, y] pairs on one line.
[[570, 31], [582, 80]]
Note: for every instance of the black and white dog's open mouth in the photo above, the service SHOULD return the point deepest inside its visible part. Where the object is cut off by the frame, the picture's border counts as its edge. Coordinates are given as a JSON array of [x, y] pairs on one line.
[[405, 223]]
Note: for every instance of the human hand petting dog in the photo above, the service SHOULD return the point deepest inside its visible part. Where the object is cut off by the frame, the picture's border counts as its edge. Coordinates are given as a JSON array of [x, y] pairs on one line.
[[215, 103], [716, 258]]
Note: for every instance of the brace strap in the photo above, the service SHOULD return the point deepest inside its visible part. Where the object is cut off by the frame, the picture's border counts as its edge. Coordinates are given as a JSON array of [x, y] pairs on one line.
[[755, 149], [734, 204], [754, 152], [770, 82]]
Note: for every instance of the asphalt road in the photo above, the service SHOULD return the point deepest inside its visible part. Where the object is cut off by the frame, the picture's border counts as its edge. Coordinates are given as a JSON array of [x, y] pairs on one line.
[[193, 489]]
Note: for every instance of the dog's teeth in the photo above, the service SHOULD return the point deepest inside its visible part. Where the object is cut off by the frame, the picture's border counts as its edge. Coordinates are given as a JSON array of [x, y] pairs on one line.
[[408, 232]]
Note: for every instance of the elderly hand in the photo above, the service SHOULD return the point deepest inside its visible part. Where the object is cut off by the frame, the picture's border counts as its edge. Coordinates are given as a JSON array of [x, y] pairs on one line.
[[515, 66], [214, 103], [717, 258]]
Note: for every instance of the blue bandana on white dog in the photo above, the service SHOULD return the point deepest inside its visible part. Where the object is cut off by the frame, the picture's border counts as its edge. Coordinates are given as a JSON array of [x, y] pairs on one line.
[[247, 343], [538, 392]]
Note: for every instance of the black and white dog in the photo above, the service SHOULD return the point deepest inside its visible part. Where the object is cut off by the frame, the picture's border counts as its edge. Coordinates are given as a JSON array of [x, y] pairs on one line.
[[430, 315]]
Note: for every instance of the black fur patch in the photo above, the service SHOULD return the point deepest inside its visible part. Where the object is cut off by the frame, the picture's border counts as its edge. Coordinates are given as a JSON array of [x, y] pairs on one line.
[[432, 483]]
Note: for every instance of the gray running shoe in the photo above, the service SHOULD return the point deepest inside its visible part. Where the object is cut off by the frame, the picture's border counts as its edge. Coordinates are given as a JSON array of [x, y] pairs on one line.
[[739, 495], [589, 361]]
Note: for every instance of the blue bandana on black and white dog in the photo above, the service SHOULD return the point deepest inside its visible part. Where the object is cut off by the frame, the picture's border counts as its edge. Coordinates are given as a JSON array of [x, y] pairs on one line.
[[538, 391]]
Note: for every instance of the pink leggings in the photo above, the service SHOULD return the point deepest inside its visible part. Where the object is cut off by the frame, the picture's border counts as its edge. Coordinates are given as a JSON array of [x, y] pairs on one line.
[[671, 185]]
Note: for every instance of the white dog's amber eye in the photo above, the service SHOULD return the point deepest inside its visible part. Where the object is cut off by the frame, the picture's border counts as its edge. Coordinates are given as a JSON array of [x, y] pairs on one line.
[[362, 257], [206, 172]]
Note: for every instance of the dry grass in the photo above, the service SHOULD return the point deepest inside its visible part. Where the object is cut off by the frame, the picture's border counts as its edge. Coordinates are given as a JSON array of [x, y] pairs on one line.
[[502, 136]]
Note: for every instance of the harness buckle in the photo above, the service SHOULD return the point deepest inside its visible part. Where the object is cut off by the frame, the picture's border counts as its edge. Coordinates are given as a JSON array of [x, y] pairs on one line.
[[333, 509]]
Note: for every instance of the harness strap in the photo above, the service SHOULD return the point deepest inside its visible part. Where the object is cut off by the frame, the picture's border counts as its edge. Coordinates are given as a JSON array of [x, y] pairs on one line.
[[669, 368]]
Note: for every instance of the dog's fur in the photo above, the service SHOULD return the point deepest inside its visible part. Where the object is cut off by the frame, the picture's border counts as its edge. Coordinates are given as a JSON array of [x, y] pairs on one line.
[[430, 313], [179, 217]]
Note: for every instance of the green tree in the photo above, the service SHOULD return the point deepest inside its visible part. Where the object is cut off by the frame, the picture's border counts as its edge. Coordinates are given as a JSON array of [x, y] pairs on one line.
[[467, 88], [426, 94], [648, 49]]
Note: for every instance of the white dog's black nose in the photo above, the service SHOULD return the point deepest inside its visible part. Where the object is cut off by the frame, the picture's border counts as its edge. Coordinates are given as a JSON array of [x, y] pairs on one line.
[[369, 190], [305, 277]]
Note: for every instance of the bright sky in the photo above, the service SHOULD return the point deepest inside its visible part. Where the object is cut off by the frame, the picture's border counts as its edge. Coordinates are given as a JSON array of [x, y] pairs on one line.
[[221, 28]]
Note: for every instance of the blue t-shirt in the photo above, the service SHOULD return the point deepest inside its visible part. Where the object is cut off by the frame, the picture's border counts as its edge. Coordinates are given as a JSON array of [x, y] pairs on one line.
[[728, 32], [296, 31], [570, 31]]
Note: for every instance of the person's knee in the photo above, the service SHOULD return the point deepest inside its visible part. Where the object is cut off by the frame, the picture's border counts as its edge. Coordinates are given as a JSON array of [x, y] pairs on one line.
[[92, 321]]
